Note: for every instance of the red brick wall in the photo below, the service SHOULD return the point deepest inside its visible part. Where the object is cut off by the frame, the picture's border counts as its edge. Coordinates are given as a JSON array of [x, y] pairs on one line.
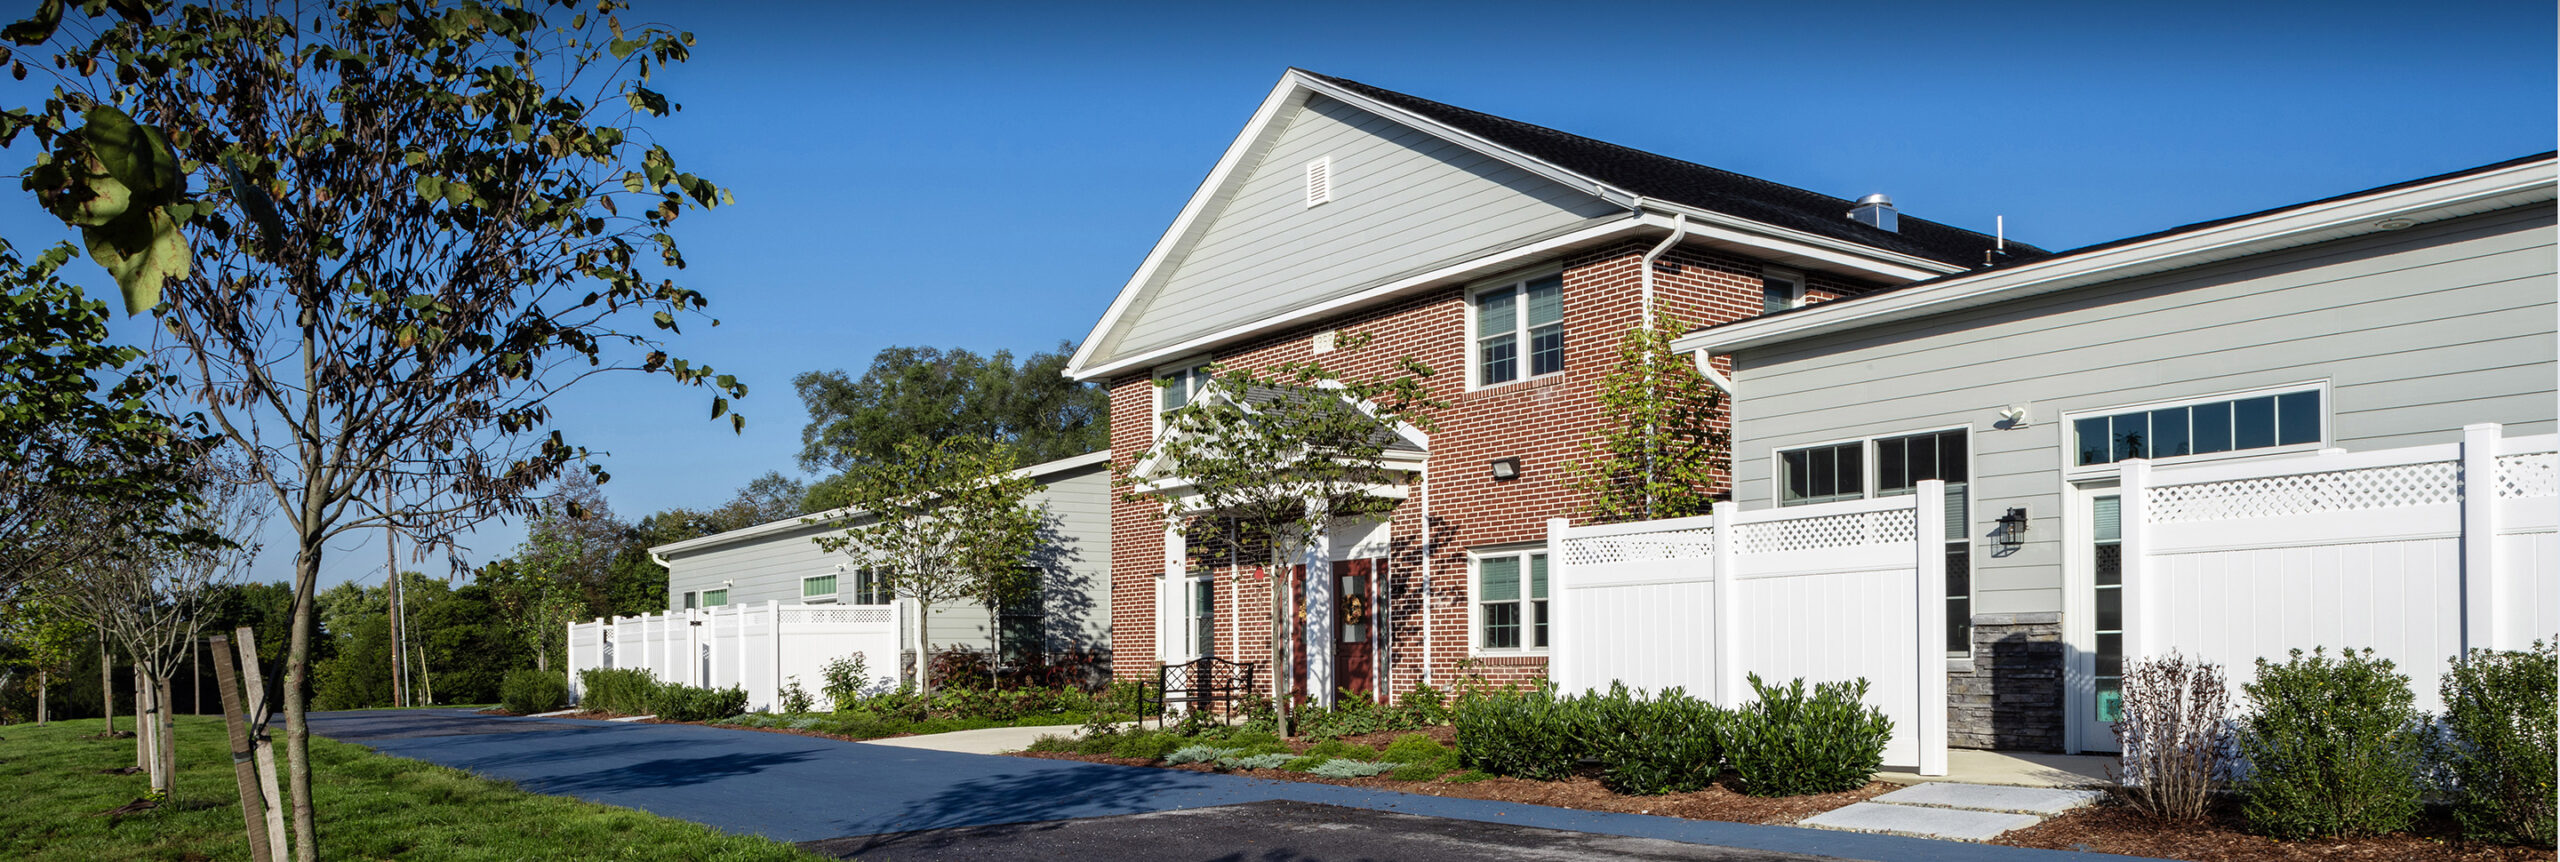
[[1542, 422]]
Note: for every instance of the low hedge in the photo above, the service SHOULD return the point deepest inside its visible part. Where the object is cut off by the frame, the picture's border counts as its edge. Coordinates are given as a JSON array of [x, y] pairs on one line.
[[526, 692], [636, 692], [1788, 742], [2333, 748]]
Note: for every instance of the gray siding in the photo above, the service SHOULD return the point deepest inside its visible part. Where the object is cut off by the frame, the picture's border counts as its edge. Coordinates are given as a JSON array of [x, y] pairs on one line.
[[1075, 559], [2419, 332], [1404, 202]]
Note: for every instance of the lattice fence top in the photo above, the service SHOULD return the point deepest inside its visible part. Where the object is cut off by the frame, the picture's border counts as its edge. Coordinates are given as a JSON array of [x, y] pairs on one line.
[[1892, 526], [835, 615], [2532, 474], [2423, 484], [1691, 544]]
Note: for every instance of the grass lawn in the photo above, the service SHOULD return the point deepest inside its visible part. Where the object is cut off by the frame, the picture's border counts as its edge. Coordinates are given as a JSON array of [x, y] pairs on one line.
[[857, 724], [372, 806]]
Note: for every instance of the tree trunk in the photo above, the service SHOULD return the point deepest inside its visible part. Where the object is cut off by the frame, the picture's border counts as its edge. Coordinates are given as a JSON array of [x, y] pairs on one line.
[[142, 725], [164, 741], [297, 679], [1281, 673], [924, 647]]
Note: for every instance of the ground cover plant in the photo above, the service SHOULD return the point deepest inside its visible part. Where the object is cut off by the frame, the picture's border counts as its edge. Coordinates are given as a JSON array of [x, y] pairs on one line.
[[381, 807]]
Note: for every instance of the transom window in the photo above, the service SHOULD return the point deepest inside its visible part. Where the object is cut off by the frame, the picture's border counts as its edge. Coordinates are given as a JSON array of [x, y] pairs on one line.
[[1838, 471], [1519, 330], [1823, 474], [2234, 425], [818, 588], [1511, 601]]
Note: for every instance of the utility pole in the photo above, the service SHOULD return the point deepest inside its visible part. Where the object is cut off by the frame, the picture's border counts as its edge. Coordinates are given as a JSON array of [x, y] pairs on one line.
[[399, 652]]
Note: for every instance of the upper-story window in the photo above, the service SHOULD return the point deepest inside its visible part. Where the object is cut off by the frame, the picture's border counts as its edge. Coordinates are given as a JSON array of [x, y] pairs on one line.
[[2257, 420], [1519, 329], [1780, 290], [1823, 474], [871, 587], [1895, 466]]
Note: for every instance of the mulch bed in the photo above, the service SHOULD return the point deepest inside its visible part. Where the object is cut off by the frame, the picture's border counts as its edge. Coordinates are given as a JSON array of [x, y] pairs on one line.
[[1582, 792], [2114, 828]]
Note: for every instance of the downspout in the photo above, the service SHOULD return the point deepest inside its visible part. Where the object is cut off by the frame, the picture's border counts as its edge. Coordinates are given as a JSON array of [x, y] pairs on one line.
[[1427, 550], [1679, 231], [1707, 369]]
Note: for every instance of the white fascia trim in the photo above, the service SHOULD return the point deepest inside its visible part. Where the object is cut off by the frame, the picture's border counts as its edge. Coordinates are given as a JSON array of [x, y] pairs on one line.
[[1498, 152], [2274, 230], [831, 516], [1742, 231], [1289, 93], [1453, 272]]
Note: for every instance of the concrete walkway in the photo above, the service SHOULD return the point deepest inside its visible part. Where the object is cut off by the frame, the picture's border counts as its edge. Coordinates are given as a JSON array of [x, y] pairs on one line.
[[802, 789], [1966, 766], [993, 740]]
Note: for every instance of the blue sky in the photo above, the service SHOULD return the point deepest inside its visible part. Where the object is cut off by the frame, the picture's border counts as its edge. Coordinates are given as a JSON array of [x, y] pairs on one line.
[[987, 175]]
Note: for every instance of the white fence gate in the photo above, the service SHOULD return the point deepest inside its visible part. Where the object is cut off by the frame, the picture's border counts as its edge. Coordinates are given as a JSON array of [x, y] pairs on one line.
[[759, 648], [1829, 592], [2418, 553]]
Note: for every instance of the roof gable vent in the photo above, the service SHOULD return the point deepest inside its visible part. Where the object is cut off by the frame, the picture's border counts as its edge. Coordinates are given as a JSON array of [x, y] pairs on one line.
[[1876, 211], [1320, 181]]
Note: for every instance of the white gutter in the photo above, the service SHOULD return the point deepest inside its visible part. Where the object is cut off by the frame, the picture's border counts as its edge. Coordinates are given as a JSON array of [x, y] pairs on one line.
[[1679, 231]]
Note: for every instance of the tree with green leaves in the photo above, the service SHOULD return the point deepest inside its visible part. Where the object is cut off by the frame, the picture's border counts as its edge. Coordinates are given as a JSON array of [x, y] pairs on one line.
[[925, 392], [1659, 454], [39, 637], [380, 238], [943, 521], [1258, 464]]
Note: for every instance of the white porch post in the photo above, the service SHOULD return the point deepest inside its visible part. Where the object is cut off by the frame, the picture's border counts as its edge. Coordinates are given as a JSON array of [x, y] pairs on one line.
[[2133, 514], [1560, 657], [1318, 628], [2480, 575], [1930, 602]]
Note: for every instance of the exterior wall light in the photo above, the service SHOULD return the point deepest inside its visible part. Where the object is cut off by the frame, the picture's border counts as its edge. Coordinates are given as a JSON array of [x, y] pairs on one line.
[[2013, 529], [1506, 469]]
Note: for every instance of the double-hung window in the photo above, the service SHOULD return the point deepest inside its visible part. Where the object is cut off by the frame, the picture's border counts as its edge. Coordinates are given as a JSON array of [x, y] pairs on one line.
[[1519, 330], [818, 589], [1894, 466], [1177, 387], [2260, 420], [1511, 601], [1780, 290], [1021, 623], [871, 587]]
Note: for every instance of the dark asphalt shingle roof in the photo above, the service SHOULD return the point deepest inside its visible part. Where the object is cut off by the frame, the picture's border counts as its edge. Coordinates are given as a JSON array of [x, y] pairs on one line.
[[1670, 179]]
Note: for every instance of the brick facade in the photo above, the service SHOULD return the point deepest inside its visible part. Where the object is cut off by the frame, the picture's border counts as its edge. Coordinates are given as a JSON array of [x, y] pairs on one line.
[[1543, 422]]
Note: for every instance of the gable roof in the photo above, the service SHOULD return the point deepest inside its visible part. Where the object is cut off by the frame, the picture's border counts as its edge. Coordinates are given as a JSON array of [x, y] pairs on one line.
[[829, 519], [1792, 226], [1670, 179], [2526, 181]]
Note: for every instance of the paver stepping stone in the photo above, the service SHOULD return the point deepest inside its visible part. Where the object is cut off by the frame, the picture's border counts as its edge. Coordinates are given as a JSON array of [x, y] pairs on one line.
[[2046, 801], [1954, 824]]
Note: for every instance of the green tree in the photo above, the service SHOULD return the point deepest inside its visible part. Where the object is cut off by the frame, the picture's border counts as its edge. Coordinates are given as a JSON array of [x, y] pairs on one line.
[[382, 237], [945, 520], [1657, 456], [1261, 461], [925, 392], [38, 641], [468, 647]]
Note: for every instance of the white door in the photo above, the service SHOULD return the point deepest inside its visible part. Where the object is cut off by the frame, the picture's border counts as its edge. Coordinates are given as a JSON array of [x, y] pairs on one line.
[[2094, 572]]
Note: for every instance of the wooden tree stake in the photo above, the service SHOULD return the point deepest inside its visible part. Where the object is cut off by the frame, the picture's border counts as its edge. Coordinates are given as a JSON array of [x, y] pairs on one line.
[[262, 743], [253, 805]]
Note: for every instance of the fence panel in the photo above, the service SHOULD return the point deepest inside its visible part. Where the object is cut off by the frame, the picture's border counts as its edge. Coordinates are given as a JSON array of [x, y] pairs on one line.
[[756, 648], [1828, 593], [2416, 553]]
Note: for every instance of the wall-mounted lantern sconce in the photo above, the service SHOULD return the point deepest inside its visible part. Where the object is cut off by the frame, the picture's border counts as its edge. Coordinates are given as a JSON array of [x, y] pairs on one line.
[[1506, 469], [2013, 530]]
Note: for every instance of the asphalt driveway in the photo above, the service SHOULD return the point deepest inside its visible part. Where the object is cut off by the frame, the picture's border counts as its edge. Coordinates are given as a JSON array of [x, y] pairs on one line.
[[890, 802]]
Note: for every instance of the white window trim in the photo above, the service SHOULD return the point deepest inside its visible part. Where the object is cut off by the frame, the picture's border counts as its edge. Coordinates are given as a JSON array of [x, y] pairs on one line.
[[824, 599], [1155, 387], [1867, 491], [1514, 280], [2069, 452], [1792, 277], [1528, 619]]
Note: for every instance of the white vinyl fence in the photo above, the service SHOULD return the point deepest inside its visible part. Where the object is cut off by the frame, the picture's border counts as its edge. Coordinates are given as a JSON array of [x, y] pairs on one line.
[[759, 648], [2417, 553], [1829, 592]]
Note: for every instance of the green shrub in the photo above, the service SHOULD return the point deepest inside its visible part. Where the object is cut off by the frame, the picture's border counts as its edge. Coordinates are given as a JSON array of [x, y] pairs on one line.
[[628, 691], [1788, 744], [844, 680], [1426, 770], [689, 703], [1424, 706], [1342, 767], [1194, 754], [1648, 746], [1271, 760], [796, 699], [1529, 734], [1304, 763], [1055, 743], [2332, 748], [525, 692], [2496, 744], [1413, 748]]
